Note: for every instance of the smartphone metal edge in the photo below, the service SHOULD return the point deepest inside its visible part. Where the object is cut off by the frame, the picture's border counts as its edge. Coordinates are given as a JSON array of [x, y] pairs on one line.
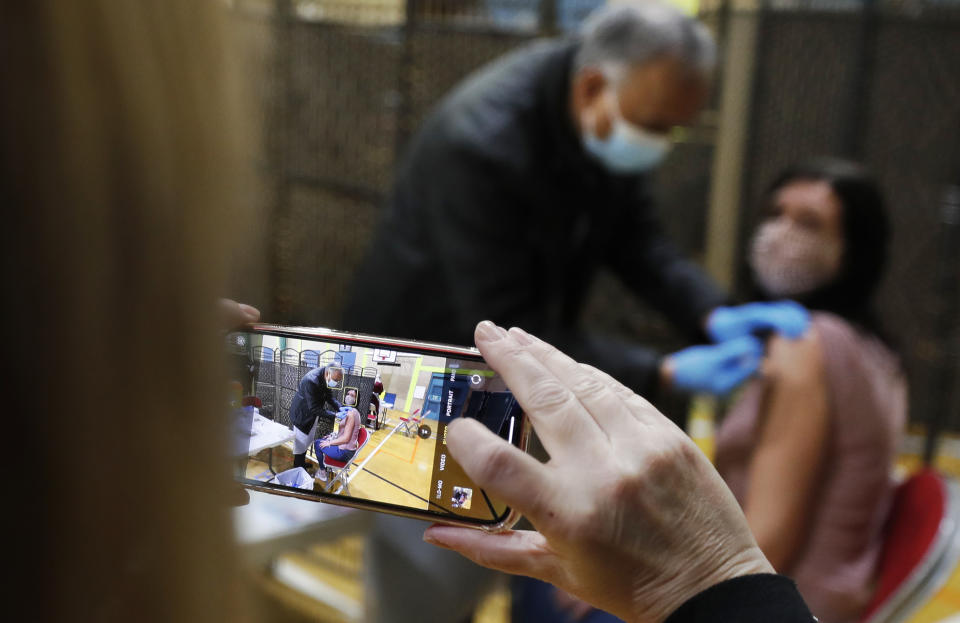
[[333, 334]]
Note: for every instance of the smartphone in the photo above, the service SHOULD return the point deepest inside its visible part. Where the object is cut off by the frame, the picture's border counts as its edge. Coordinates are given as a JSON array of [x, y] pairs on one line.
[[387, 402]]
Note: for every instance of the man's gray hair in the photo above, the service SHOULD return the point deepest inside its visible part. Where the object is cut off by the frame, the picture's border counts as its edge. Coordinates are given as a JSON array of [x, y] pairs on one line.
[[621, 35]]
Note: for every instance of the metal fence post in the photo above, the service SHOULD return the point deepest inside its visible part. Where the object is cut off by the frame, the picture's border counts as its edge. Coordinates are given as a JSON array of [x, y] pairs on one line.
[[946, 330]]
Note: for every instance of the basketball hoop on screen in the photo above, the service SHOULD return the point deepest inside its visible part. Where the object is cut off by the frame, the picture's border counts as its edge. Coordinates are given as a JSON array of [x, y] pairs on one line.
[[384, 356]]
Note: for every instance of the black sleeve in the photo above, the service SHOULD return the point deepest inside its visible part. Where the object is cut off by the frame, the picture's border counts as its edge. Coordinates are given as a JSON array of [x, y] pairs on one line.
[[313, 394], [635, 366], [475, 208], [493, 276], [761, 598], [653, 267]]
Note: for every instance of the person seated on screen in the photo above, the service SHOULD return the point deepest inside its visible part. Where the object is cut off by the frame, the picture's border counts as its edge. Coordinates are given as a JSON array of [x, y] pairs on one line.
[[808, 446], [343, 446]]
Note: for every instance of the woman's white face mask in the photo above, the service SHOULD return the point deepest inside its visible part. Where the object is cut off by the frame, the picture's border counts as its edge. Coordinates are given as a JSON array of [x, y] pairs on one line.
[[788, 259]]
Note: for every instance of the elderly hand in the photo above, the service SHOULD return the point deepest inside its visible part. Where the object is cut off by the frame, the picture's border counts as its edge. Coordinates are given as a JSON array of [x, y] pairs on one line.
[[630, 515], [787, 318]]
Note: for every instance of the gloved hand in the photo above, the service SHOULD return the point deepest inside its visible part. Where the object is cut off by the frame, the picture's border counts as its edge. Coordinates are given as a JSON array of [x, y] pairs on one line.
[[788, 318], [716, 368]]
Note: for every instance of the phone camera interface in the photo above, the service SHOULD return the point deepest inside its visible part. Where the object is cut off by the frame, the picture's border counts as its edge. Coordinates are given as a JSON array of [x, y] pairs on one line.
[[362, 422]]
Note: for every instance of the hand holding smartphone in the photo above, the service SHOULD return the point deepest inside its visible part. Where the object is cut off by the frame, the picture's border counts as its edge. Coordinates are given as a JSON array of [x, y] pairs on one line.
[[308, 385]]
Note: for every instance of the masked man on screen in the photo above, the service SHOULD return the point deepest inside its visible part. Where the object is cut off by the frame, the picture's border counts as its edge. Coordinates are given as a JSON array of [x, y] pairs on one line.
[[534, 174], [314, 394]]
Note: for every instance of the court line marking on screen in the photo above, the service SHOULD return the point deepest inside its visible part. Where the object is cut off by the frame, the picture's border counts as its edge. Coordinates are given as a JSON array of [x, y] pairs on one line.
[[413, 455], [429, 502], [371, 455], [405, 490]]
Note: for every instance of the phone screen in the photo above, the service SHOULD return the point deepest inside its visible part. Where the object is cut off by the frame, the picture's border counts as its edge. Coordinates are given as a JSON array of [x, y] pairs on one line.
[[367, 419]]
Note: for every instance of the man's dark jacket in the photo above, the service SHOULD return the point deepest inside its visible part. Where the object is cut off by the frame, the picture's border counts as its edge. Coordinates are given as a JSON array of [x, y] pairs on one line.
[[311, 400], [498, 213]]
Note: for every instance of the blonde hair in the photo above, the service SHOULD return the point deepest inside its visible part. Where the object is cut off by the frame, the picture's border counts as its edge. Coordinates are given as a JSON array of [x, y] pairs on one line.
[[122, 147]]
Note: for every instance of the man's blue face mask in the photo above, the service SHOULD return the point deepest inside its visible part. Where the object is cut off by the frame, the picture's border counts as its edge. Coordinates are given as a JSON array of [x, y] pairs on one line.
[[331, 383], [627, 148]]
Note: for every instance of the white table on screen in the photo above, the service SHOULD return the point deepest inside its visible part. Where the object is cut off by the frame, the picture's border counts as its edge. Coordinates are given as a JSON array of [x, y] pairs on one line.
[[267, 434], [263, 434]]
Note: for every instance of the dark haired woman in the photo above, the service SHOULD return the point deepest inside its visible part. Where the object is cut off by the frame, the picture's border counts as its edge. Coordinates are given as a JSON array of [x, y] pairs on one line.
[[808, 446]]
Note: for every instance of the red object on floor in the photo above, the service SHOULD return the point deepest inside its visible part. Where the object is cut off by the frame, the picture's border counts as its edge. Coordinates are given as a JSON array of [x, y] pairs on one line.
[[413, 417], [361, 439], [917, 511], [251, 401]]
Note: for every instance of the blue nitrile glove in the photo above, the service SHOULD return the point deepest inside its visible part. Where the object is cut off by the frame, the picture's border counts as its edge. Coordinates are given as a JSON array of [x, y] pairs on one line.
[[344, 410], [788, 318], [716, 368]]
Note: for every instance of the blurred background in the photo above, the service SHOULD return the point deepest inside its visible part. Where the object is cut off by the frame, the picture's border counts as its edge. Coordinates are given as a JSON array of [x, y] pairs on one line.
[[344, 83]]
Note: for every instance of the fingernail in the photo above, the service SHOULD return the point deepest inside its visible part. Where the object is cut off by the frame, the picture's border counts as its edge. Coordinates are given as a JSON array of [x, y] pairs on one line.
[[489, 332], [429, 537], [521, 336], [250, 311]]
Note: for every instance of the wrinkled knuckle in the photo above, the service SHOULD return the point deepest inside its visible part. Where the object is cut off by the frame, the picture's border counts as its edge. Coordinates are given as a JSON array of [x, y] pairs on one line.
[[514, 353], [587, 368], [600, 375], [587, 384], [639, 404], [549, 395], [552, 357]]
